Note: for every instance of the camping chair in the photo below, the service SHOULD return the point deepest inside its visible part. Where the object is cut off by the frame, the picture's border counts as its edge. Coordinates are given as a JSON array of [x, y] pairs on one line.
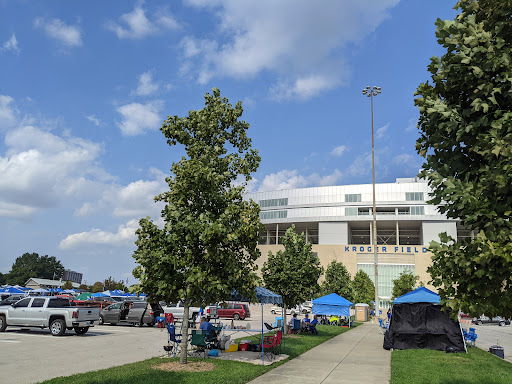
[[470, 337], [295, 326], [169, 318], [279, 319], [212, 339], [198, 340], [173, 342], [383, 326], [272, 345]]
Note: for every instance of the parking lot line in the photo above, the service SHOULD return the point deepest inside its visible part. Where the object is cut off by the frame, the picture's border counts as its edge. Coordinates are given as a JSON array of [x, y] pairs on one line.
[[10, 341]]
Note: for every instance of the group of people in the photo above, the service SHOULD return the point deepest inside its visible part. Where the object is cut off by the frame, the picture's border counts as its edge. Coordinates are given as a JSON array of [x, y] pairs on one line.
[[306, 323]]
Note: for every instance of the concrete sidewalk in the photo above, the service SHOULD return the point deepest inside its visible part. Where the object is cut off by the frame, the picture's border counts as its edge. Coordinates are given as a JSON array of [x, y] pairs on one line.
[[355, 356]]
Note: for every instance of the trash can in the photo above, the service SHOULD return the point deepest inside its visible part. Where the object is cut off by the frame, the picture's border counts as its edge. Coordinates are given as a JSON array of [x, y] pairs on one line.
[[361, 312], [498, 351]]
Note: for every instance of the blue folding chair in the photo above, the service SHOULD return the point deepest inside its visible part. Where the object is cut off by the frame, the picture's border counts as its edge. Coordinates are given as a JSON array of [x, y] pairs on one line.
[[174, 341], [470, 337]]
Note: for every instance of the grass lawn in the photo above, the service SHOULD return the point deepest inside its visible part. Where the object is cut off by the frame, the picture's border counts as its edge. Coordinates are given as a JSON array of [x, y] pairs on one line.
[[422, 366], [231, 372]]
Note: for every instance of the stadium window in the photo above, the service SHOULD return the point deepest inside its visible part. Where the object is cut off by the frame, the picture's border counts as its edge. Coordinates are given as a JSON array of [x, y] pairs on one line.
[[417, 210], [351, 211], [414, 196], [273, 202], [269, 215], [353, 198]]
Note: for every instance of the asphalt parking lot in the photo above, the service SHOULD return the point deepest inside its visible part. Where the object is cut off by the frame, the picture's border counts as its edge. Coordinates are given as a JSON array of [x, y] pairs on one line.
[[493, 334], [30, 356]]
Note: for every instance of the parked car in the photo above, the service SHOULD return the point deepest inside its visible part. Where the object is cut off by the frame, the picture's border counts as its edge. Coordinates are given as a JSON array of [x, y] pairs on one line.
[[486, 320], [277, 310], [43, 312], [306, 307], [11, 299], [235, 311], [177, 311], [132, 312], [211, 310]]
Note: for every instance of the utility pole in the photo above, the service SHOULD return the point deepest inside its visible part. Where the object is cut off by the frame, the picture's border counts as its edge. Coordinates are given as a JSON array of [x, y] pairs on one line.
[[371, 92]]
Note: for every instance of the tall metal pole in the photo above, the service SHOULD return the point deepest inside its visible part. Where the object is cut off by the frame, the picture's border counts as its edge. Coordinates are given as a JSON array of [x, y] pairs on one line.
[[371, 92]]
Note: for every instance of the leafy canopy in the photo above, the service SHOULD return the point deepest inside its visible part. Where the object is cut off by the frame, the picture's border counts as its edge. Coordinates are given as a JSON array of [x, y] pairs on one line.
[[294, 272], [406, 282], [337, 280], [466, 138], [32, 265], [97, 287], [208, 244], [363, 288]]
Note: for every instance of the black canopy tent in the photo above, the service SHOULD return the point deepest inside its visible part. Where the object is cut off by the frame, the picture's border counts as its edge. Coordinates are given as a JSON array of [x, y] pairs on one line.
[[418, 322]]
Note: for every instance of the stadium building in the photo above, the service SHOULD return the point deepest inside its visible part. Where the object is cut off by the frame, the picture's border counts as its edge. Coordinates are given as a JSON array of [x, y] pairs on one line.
[[338, 221]]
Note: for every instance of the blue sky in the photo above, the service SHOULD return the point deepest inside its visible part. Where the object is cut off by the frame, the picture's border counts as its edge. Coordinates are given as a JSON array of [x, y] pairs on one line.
[[85, 87]]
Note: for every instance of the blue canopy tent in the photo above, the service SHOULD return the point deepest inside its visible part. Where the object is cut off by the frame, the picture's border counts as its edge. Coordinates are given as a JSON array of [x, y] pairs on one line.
[[332, 305], [99, 294], [12, 291], [420, 295], [264, 296]]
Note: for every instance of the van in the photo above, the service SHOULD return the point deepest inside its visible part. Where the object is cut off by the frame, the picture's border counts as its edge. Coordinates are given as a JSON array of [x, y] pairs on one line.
[[235, 311]]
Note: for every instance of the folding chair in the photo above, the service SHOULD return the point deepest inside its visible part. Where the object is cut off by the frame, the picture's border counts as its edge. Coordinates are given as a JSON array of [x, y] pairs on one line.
[[173, 342], [272, 345], [198, 340], [295, 326], [471, 337], [212, 339]]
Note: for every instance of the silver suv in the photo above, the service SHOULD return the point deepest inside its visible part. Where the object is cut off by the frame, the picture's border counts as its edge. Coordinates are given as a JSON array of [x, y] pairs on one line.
[[131, 312]]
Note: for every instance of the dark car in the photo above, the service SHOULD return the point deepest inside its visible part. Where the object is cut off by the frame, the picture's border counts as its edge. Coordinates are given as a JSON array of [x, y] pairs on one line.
[[487, 320], [235, 311], [11, 299], [132, 312]]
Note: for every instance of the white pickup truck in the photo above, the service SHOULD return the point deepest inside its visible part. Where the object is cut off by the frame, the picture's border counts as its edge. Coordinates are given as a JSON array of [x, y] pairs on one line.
[[43, 312], [177, 311]]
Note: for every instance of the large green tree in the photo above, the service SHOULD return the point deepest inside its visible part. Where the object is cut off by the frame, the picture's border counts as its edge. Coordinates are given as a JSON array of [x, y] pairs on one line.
[[364, 289], [466, 138], [337, 280], [111, 284], [406, 282], [3, 278], [32, 265], [208, 245], [294, 272], [97, 287]]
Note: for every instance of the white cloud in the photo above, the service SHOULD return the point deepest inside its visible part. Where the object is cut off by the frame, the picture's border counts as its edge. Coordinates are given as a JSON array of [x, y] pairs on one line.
[[8, 112], [11, 45], [136, 25], [412, 124], [138, 118], [93, 119], [339, 150], [303, 88], [146, 85], [125, 236], [291, 179], [68, 35], [133, 200], [301, 42], [40, 169], [381, 131], [362, 165]]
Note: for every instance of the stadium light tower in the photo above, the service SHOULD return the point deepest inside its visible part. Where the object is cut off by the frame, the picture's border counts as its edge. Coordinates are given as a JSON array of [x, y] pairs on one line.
[[371, 92]]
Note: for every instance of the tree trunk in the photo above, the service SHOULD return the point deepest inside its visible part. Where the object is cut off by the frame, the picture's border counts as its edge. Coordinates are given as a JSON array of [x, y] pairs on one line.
[[184, 336]]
